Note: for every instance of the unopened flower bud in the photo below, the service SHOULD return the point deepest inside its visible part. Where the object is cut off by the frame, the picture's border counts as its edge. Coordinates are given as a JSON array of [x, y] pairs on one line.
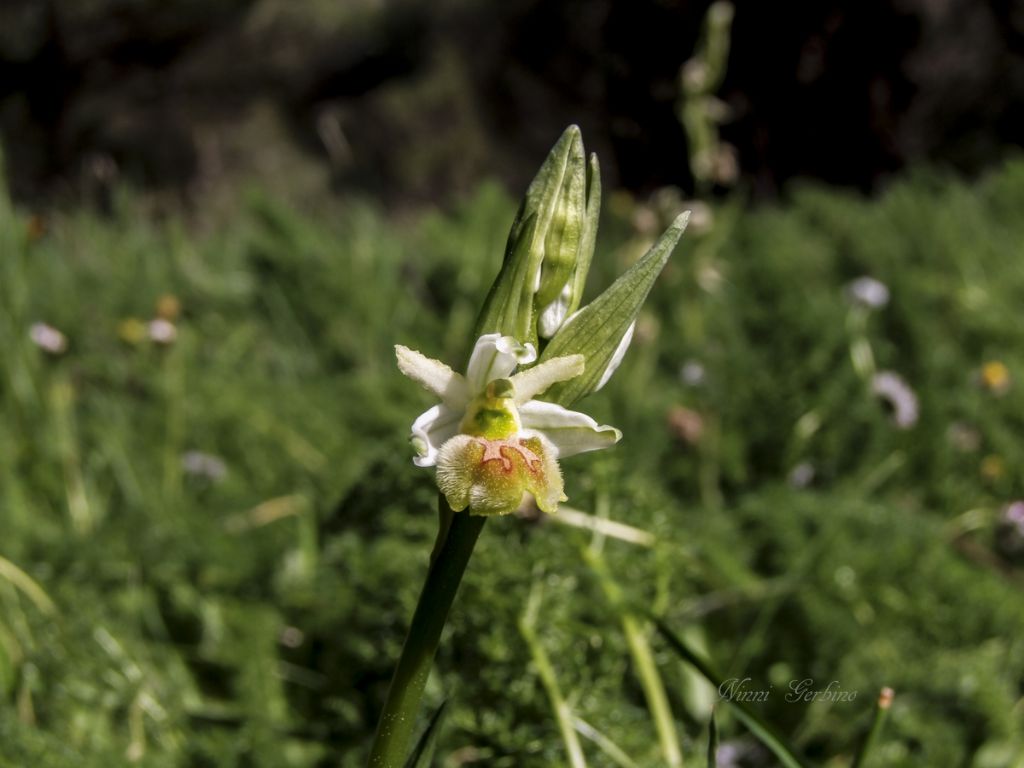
[[550, 246]]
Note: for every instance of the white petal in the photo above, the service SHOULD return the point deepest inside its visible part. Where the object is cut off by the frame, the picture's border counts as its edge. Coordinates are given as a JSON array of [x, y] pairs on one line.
[[553, 315], [533, 381], [495, 357], [433, 375], [432, 430], [620, 352], [571, 432]]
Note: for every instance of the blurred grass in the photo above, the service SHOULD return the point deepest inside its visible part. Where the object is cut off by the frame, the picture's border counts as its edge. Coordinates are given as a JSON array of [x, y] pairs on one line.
[[253, 619]]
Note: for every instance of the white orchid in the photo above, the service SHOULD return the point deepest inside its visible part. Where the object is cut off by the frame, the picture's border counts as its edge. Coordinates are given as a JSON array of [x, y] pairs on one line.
[[490, 440]]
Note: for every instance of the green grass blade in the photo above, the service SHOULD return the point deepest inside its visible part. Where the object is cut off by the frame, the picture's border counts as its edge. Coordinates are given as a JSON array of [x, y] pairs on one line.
[[423, 754], [877, 724], [28, 586], [754, 723], [712, 742], [614, 752], [546, 673], [643, 661]]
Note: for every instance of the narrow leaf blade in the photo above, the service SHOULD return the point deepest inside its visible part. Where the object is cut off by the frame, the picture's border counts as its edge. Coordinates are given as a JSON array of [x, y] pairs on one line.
[[423, 754], [596, 330], [712, 742], [879, 715], [754, 723]]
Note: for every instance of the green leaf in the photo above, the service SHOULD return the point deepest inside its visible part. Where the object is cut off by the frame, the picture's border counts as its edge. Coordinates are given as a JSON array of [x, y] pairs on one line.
[[754, 723], [712, 742], [613, 751], [423, 754], [597, 329]]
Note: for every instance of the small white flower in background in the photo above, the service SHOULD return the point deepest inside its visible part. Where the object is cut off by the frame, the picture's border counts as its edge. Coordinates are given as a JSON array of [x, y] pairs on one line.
[[48, 338], [205, 465], [802, 475], [868, 292], [291, 637], [730, 754], [964, 437], [490, 440], [1011, 529], [1013, 515], [162, 331], [710, 278], [692, 373], [889, 386], [702, 218]]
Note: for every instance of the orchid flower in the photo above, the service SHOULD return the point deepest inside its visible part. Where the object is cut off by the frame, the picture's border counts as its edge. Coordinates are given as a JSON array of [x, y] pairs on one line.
[[489, 438]]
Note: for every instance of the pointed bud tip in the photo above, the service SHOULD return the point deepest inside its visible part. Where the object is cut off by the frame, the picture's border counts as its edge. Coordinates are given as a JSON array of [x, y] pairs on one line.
[[571, 141]]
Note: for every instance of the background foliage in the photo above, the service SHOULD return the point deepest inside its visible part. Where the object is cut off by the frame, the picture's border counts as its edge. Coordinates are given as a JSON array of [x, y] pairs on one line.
[[158, 611], [185, 96]]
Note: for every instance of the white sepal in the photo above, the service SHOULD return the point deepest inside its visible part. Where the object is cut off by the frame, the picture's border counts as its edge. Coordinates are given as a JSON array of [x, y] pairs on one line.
[[571, 432], [433, 375], [431, 430]]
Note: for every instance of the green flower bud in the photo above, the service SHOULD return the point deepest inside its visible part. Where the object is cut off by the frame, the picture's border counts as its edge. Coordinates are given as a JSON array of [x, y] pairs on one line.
[[550, 246]]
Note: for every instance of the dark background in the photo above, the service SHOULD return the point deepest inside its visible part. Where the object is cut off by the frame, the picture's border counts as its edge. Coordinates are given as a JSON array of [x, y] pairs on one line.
[[412, 102]]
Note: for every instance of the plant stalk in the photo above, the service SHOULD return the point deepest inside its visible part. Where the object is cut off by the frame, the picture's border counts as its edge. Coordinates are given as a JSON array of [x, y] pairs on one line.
[[546, 672], [392, 741], [643, 659]]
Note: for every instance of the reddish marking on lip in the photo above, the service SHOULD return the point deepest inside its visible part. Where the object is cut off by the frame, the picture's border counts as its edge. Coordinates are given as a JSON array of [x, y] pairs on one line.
[[499, 450]]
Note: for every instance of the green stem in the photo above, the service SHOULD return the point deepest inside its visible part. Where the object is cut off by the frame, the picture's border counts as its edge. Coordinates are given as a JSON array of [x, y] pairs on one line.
[[643, 659], [398, 718], [877, 723], [546, 673]]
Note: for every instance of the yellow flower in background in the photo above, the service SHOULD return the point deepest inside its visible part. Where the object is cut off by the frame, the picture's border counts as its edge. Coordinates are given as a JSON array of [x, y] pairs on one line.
[[168, 307], [993, 467], [995, 377], [131, 330]]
